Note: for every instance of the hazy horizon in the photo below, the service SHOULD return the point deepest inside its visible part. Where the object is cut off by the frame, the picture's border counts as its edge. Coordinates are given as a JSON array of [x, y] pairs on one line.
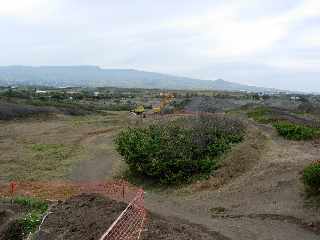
[[261, 43]]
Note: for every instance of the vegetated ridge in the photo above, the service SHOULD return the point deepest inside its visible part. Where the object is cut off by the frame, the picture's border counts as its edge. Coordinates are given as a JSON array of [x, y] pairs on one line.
[[94, 76]]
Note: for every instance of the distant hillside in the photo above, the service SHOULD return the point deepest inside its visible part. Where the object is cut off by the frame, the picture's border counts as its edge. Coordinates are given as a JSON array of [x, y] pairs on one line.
[[93, 76]]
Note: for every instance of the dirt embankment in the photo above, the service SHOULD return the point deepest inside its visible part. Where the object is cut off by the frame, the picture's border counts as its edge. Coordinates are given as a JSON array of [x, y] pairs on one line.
[[214, 104], [10, 111], [9, 215], [161, 228]]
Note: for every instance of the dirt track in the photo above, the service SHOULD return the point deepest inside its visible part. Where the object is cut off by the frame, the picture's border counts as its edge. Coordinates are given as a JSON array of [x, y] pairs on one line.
[[102, 160]]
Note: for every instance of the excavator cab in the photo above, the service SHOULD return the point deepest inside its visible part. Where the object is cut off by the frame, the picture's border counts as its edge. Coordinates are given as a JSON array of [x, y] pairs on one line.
[[139, 110]]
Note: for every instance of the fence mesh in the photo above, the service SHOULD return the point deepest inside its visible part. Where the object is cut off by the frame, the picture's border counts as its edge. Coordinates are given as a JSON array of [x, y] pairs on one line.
[[130, 223]]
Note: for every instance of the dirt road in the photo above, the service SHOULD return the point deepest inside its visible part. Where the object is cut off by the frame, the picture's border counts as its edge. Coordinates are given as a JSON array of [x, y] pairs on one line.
[[101, 160]]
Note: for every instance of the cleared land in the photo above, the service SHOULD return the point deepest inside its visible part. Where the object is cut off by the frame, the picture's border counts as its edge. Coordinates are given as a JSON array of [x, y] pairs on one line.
[[257, 193], [59, 147]]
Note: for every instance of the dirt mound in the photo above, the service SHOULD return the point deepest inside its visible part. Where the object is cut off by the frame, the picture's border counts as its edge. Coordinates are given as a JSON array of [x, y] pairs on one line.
[[9, 227], [283, 115], [10, 111], [84, 217], [214, 104]]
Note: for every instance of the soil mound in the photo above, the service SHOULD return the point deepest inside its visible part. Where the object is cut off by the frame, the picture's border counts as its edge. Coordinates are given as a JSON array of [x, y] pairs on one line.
[[84, 217], [9, 227]]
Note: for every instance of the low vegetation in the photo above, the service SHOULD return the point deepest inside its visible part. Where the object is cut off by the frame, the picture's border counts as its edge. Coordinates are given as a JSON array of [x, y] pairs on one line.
[[31, 203], [43, 161], [311, 177], [27, 224], [178, 151], [293, 131], [260, 115], [52, 151], [287, 124]]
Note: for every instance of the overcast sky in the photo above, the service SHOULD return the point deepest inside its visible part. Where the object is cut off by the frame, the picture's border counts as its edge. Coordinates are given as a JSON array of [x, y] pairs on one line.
[[272, 43]]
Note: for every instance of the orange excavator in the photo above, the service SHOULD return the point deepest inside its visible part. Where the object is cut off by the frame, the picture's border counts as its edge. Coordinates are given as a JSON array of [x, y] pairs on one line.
[[166, 99]]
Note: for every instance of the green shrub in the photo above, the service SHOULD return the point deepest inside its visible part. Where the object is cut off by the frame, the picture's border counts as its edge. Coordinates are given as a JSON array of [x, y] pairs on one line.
[[260, 115], [296, 132], [176, 151], [31, 203], [23, 226], [30, 222], [311, 177]]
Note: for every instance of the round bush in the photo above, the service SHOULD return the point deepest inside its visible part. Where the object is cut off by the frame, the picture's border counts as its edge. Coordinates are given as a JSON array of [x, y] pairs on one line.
[[173, 152], [311, 177]]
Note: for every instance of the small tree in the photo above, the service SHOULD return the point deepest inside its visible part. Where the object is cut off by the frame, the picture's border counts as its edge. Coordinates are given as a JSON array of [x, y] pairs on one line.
[[311, 177]]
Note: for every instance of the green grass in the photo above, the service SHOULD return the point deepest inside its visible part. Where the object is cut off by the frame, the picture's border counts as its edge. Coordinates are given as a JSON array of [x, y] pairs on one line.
[[311, 178], [260, 115], [286, 129], [297, 132], [44, 161], [28, 223], [53, 151], [32, 204]]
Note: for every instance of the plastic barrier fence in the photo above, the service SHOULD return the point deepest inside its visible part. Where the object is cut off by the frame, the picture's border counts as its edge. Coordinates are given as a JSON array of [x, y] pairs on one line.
[[129, 225]]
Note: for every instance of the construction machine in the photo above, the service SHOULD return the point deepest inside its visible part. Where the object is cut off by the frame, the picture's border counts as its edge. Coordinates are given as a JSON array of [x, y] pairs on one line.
[[139, 110], [166, 99]]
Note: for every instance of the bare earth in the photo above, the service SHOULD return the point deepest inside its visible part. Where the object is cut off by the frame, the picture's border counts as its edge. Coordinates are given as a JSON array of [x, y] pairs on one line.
[[77, 148], [102, 159]]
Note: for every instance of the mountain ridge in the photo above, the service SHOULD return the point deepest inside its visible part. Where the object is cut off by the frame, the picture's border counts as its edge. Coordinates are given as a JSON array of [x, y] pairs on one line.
[[95, 76]]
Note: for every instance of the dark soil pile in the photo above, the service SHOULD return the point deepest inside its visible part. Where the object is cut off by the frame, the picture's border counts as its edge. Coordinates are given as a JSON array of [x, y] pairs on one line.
[[84, 217], [10, 111], [213, 104], [10, 229], [282, 115], [159, 228]]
